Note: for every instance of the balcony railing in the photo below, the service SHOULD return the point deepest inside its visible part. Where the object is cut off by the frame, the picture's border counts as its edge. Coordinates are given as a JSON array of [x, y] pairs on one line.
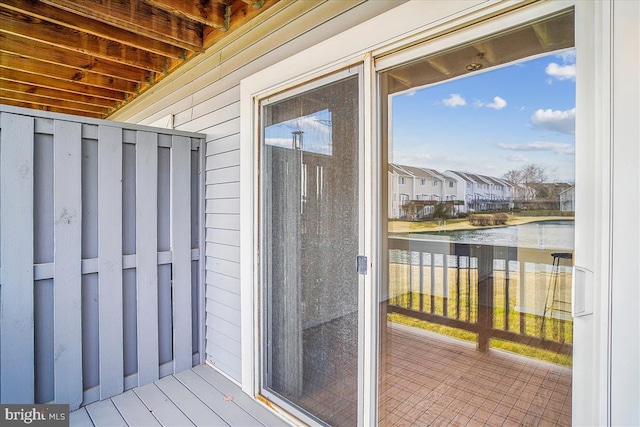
[[514, 294]]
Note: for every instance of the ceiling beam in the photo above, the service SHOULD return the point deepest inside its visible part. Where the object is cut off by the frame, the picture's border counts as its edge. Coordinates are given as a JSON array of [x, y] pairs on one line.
[[63, 85], [256, 4], [207, 12], [29, 48], [66, 73], [57, 35], [53, 102], [139, 17], [55, 94], [37, 9], [241, 13], [52, 109]]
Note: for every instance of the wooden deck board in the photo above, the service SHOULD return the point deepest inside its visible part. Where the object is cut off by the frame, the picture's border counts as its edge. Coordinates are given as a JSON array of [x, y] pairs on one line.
[[161, 406], [216, 400], [200, 396], [133, 410], [199, 413], [242, 400], [104, 413], [79, 418]]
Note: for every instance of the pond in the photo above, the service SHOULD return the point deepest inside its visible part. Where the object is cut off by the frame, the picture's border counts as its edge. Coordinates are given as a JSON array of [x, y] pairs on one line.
[[537, 235]]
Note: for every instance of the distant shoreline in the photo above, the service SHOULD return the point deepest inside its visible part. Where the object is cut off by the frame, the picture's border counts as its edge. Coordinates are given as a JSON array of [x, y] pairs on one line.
[[463, 224]]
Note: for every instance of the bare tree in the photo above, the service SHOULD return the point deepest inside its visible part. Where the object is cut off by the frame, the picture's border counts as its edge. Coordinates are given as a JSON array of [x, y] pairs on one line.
[[513, 176], [529, 177], [532, 178]]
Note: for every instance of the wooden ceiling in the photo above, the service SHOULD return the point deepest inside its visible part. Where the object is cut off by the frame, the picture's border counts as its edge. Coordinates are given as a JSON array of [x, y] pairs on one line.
[[90, 57]]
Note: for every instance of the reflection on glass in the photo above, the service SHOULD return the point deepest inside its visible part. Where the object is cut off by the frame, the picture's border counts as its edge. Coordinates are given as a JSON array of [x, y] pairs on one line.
[[311, 133], [476, 320], [309, 187]]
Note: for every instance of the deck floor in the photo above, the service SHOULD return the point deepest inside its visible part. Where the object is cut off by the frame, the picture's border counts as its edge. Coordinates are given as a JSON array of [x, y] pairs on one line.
[[428, 380], [434, 380], [200, 396]]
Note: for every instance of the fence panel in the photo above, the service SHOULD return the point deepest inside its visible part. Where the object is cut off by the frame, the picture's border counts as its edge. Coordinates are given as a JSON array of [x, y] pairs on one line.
[[16, 259], [110, 261], [181, 244], [67, 274], [147, 258], [110, 241]]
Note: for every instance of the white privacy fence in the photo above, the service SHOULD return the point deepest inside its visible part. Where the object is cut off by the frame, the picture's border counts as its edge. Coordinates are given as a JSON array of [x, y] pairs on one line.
[[100, 230]]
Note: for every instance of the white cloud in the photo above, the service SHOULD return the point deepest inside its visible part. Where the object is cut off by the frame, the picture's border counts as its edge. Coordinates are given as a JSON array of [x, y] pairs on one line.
[[497, 104], [568, 56], [556, 120], [561, 72], [520, 158], [554, 147], [411, 158], [308, 124], [279, 142], [454, 100]]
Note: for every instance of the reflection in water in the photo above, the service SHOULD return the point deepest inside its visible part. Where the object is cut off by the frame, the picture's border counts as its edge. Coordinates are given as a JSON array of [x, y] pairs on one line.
[[537, 235]]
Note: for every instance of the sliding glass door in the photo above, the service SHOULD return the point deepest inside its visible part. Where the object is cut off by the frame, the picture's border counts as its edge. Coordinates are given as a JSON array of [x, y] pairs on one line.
[[310, 197], [478, 231]]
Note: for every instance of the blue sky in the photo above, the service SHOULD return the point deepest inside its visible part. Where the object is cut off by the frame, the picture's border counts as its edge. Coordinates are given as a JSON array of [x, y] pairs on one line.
[[316, 132], [492, 121]]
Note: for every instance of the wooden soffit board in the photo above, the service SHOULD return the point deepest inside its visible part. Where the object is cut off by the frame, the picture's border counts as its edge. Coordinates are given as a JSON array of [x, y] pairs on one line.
[[91, 57]]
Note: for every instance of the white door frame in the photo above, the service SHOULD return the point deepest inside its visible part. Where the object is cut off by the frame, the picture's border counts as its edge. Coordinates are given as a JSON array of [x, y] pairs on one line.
[[432, 24], [364, 214]]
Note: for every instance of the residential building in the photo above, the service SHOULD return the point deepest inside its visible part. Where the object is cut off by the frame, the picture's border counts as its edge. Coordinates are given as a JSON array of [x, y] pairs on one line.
[[413, 192], [483, 193], [568, 199]]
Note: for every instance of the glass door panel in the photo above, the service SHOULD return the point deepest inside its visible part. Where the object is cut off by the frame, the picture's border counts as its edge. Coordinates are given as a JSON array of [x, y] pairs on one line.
[[310, 228], [475, 323]]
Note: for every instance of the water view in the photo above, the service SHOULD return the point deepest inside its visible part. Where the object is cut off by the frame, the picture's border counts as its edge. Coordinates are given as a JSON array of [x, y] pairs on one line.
[[535, 235]]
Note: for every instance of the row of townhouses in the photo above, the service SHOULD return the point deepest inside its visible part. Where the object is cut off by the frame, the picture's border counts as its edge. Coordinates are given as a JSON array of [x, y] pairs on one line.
[[414, 192]]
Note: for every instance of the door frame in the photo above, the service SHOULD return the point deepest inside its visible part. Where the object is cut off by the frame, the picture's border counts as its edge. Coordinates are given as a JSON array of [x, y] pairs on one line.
[[433, 26], [363, 219]]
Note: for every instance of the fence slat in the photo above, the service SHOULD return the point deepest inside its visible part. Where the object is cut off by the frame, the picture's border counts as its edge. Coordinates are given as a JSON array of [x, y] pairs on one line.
[[110, 260], [181, 249], [16, 252], [146, 254], [432, 288], [445, 284], [67, 296]]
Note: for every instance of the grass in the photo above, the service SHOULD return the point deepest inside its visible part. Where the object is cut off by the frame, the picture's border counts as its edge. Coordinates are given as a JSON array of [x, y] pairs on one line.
[[464, 306], [520, 349], [399, 226]]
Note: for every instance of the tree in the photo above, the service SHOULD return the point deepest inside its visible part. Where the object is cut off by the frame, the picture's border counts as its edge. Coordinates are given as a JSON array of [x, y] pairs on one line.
[[529, 177], [441, 211], [514, 176], [532, 178]]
